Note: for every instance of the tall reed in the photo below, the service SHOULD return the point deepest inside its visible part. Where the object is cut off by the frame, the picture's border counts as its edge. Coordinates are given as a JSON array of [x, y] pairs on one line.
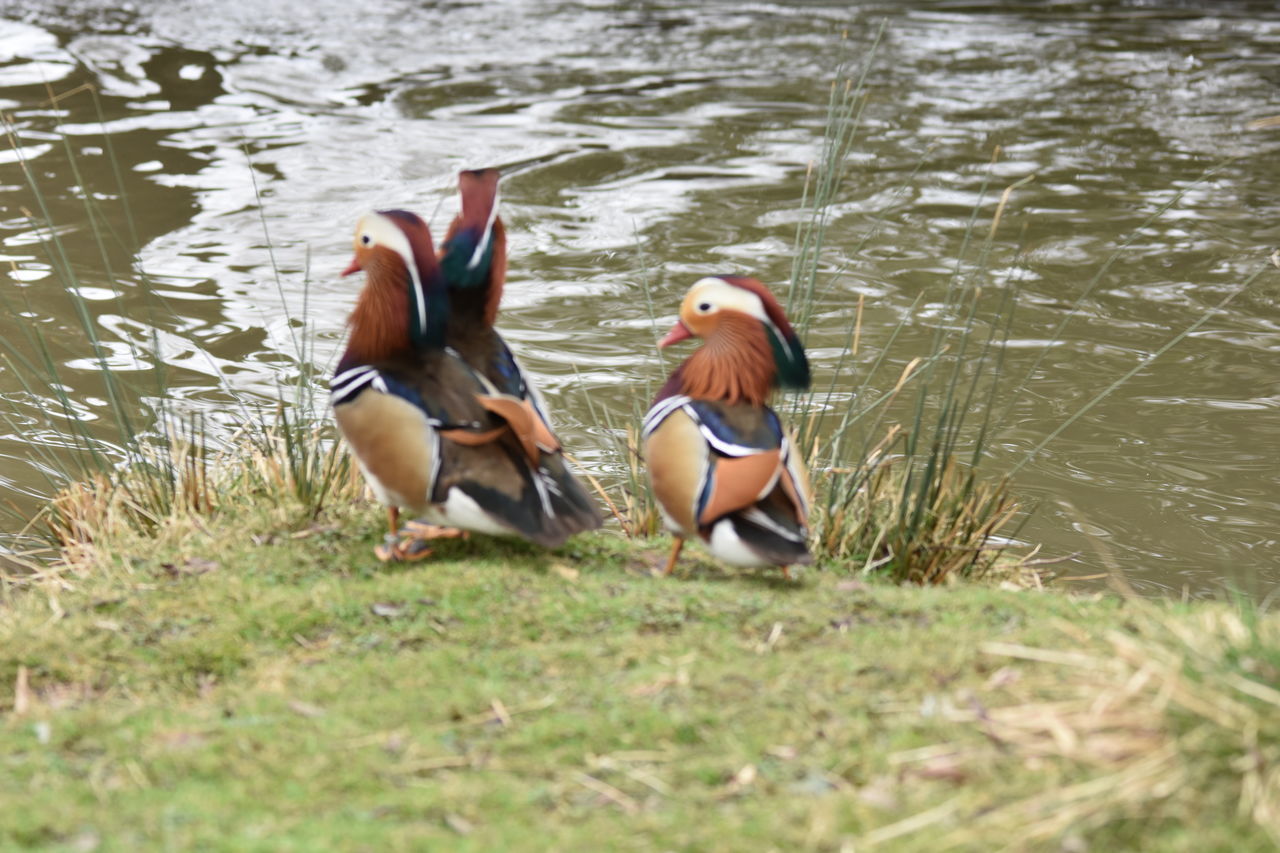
[[636, 510], [904, 481]]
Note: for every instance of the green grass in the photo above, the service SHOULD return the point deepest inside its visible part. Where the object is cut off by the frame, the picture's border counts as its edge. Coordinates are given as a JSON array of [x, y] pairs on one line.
[[293, 694]]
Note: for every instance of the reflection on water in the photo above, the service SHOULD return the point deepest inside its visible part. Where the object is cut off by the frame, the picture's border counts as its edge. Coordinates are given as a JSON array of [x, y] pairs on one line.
[[687, 128]]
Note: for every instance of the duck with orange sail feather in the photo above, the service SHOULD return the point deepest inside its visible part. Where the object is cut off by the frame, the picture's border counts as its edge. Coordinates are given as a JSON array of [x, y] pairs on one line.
[[473, 258], [722, 467], [429, 431]]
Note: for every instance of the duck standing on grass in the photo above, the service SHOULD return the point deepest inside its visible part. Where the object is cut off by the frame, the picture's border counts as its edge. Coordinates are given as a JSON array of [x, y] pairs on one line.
[[721, 465], [473, 258], [431, 433]]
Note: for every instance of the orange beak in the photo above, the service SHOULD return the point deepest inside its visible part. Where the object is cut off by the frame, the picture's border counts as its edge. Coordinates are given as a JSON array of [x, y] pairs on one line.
[[678, 333], [354, 266]]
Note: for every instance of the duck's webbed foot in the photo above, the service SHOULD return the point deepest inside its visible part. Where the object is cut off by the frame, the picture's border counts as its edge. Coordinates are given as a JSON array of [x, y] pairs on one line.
[[402, 550], [415, 543]]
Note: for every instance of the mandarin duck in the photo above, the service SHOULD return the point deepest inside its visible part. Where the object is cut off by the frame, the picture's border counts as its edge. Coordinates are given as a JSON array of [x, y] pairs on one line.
[[721, 465], [473, 257], [429, 432]]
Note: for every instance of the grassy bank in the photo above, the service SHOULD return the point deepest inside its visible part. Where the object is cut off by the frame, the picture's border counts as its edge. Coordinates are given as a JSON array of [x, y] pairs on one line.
[[290, 693], [216, 661]]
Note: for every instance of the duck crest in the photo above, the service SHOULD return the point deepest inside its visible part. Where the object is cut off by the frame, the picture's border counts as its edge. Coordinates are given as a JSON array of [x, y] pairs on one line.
[[792, 366], [736, 364]]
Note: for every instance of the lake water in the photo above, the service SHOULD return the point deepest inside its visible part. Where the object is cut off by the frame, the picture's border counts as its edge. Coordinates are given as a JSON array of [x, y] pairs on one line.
[[685, 130]]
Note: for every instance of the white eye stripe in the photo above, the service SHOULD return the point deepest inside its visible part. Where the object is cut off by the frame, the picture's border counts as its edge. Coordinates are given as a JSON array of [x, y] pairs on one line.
[[719, 294], [378, 230]]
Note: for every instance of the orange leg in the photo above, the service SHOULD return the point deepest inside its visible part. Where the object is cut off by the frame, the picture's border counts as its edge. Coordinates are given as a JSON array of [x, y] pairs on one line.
[[675, 554], [786, 573], [410, 549], [417, 534], [413, 546], [392, 550]]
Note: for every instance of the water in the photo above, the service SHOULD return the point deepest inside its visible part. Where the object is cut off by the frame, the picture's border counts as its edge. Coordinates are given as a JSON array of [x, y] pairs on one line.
[[686, 129]]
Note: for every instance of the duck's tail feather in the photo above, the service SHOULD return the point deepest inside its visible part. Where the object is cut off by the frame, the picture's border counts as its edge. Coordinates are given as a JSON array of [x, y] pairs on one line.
[[569, 501], [540, 502], [770, 529]]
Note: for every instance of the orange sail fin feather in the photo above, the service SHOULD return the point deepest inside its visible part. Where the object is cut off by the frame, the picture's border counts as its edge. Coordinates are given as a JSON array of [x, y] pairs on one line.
[[740, 481], [528, 427], [722, 466]]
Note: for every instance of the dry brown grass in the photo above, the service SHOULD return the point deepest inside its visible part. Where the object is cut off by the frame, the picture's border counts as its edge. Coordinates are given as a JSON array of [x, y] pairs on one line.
[[924, 524], [298, 470], [639, 504], [1170, 722]]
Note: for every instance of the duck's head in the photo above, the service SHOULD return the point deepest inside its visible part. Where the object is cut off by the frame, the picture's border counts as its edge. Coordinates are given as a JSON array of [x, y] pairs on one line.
[[732, 312], [404, 291], [390, 241]]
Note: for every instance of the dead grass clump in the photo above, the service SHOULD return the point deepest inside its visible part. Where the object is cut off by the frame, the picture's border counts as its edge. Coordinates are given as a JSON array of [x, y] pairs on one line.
[[159, 482], [923, 523], [297, 469], [636, 509], [640, 507], [298, 460], [1173, 723]]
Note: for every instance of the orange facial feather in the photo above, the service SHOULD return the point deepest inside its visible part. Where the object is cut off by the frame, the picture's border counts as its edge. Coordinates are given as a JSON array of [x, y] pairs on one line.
[[380, 321], [735, 364]]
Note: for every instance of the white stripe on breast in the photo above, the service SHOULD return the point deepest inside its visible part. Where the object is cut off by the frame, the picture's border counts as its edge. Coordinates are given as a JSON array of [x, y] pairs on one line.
[[659, 413]]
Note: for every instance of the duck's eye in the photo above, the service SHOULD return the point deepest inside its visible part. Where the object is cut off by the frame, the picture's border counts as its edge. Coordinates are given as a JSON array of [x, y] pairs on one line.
[[704, 307], [366, 239]]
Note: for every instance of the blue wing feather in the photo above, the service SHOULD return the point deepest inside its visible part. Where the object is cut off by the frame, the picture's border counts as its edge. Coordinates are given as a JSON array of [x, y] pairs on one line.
[[505, 373]]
